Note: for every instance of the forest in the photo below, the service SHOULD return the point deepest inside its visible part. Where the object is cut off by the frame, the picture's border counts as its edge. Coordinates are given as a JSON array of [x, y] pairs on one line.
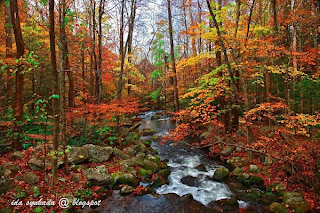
[[159, 106]]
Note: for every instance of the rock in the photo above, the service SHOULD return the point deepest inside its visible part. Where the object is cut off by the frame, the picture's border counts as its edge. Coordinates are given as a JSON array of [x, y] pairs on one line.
[[76, 177], [280, 188], [267, 161], [298, 204], [236, 162], [164, 173], [150, 165], [147, 132], [227, 150], [250, 195], [132, 162], [190, 181], [243, 178], [78, 154], [11, 168], [141, 148], [141, 155], [256, 181], [5, 185], [131, 151], [269, 198], [147, 190], [126, 190], [254, 169], [18, 155], [145, 173], [237, 172], [225, 205], [201, 168], [278, 208], [159, 182], [221, 173], [31, 178], [98, 175], [235, 186], [124, 179], [155, 117], [118, 153], [97, 154], [162, 165], [288, 195]]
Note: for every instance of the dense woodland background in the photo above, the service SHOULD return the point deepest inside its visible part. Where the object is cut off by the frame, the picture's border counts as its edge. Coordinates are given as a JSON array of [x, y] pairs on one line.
[[240, 73]]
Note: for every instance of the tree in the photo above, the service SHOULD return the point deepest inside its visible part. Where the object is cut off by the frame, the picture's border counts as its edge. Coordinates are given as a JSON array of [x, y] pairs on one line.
[[19, 94], [56, 92], [173, 61]]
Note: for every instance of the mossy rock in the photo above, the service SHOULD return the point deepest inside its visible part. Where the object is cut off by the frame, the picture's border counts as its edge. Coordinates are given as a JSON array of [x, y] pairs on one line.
[[288, 195], [280, 188], [244, 178], [237, 172], [126, 190], [162, 165], [250, 195], [141, 156], [269, 198], [150, 165], [235, 162], [227, 150], [221, 174], [118, 153], [278, 208], [256, 181], [296, 202], [145, 173], [164, 173], [159, 182], [148, 190], [132, 162], [254, 169], [124, 179]]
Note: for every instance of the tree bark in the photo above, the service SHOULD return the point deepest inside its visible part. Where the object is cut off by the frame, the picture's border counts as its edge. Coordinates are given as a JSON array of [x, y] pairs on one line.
[[99, 71], [122, 51], [56, 91], [19, 93], [175, 82]]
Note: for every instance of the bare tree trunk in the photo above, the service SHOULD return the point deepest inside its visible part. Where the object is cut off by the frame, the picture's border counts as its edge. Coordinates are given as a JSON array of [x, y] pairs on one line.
[[56, 102], [19, 93], [99, 71], [122, 51], [95, 64], [275, 19], [175, 83], [9, 31]]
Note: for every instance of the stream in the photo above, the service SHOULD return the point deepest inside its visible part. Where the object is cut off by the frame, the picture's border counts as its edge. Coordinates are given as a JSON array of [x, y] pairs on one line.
[[190, 187]]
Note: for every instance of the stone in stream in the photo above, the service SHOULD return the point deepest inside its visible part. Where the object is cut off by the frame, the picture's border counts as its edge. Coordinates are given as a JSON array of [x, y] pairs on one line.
[[190, 181], [201, 168], [164, 173], [159, 182], [221, 174], [225, 205], [150, 165]]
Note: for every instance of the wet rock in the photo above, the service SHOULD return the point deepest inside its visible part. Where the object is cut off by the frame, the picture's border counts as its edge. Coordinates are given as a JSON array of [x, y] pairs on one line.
[[278, 208], [118, 153], [126, 190], [254, 169], [235, 186], [31, 178], [190, 181], [164, 173], [221, 174], [201, 168], [237, 172], [131, 151], [147, 190], [159, 182], [227, 150], [145, 173], [18, 155], [162, 165], [76, 177], [98, 175], [225, 205], [236, 162], [150, 165], [269, 198]]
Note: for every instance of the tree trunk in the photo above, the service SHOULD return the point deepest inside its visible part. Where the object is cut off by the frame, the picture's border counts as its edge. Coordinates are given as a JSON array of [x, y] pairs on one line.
[[19, 93], [95, 63], [56, 102], [175, 83], [122, 52], [99, 71]]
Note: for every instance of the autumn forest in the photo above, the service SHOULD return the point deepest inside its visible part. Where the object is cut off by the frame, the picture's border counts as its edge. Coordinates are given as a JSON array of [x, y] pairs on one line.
[[160, 106]]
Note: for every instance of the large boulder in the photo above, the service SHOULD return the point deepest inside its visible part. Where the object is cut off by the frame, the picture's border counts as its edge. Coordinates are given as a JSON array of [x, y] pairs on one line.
[[132, 162], [121, 178], [78, 155], [296, 202], [221, 173], [98, 175], [237, 172], [98, 154], [190, 181], [31, 178]]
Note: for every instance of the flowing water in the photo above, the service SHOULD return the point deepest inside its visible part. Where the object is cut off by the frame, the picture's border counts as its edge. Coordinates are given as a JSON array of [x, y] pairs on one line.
[[191, 173]]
